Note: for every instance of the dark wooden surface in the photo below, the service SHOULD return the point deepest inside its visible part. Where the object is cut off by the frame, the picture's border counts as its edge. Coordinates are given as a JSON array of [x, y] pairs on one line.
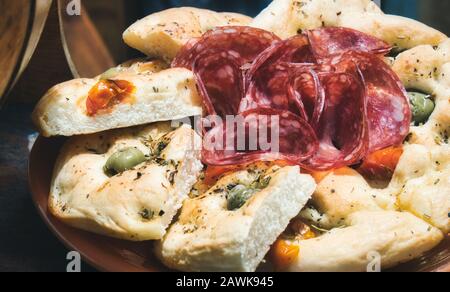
[[26, 245]]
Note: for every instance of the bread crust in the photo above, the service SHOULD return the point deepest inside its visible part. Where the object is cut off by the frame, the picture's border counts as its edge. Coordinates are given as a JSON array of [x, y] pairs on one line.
[[388, 236], [287, 18], [162, 34]]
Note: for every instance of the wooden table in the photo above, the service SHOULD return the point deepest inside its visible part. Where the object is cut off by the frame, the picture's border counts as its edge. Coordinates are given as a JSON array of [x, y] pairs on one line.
[[26, 245]]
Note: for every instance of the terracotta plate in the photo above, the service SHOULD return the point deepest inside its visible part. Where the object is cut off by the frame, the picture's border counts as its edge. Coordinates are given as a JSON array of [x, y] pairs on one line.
[[113, 255]]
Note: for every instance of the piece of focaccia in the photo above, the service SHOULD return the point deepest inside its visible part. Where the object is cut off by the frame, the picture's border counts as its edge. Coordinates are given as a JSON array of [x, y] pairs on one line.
[[129, 95], [287, 18], [394, 237], [135, 203], [422, 182], [162, 34], [233, 225], [141, 66]]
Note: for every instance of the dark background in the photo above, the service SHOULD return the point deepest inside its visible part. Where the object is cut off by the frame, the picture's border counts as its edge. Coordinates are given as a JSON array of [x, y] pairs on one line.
[[25, 242]]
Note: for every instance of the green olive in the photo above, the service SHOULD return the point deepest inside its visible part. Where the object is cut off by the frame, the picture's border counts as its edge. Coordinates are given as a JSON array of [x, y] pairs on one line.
[[238, 196], [123, 160], [422, 106]]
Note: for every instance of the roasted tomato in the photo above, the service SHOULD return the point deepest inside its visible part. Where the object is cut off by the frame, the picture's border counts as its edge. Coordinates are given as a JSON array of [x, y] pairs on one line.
[[283, 254], [108, 93], [381, 165]]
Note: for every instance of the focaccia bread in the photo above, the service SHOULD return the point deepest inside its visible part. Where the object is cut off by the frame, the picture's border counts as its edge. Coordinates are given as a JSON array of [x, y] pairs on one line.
[[287, 18], [426, 69], [163, 34], [420, 184], [231, 227], [399, 222], [364, 234], [139, 202], [353, 220], [130, 95], [422, 178], [137, 66]]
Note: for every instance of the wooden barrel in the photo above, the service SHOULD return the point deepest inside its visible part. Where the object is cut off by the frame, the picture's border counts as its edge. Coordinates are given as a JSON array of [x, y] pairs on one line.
[[21, 24], [41, 44]]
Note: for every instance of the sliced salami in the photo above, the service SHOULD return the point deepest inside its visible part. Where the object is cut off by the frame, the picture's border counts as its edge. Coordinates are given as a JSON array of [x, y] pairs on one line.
[[271, 89], [305, 88], [342, 128], [296, 140], [332, 96], [220, 82], [245, 43], [293, 50], [268, 78], [388, 109], [329, 41], [217, 60]]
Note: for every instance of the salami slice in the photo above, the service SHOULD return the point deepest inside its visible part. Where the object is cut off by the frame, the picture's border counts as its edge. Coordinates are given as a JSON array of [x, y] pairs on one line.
[[306, 90], [388, 109], [325, 96], [293, 50], [296, 140], [294, 87], [217, 60], [342, 129], [181, 58], [271, 89], [220, 82], [329, 41], [268, 78], [245, 43]]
